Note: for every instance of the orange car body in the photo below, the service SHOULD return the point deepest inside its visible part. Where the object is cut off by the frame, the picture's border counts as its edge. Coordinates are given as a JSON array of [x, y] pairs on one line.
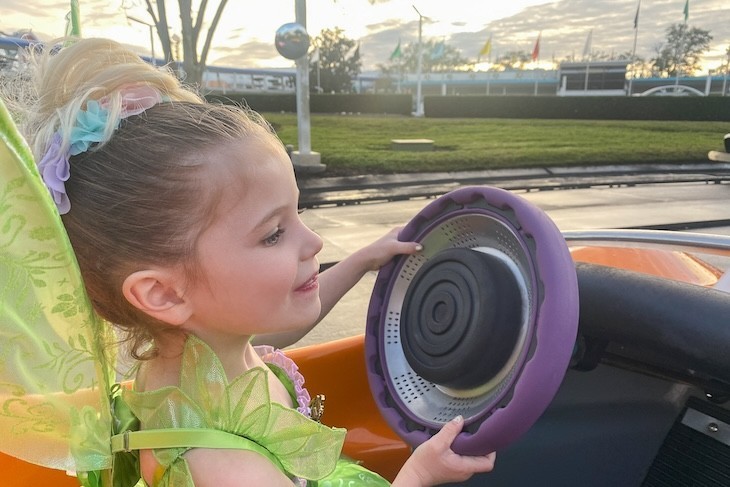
[[337, 370]]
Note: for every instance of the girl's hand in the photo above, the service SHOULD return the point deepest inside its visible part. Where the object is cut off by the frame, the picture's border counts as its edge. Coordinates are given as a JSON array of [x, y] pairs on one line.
[[433, 462], [378, 253]]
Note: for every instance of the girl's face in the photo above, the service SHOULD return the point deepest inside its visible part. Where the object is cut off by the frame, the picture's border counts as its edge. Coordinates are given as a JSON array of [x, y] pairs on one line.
[[258, 260]]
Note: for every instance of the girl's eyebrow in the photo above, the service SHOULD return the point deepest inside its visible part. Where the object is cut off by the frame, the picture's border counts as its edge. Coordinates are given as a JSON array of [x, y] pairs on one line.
[[274, 213], [270, 216]]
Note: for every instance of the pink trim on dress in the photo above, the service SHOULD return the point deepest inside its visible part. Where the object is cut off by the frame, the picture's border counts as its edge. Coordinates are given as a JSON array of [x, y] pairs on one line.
[[275, 356]]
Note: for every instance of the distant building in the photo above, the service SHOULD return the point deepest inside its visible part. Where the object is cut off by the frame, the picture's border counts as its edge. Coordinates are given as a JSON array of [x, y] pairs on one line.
[[512, 82], [571, 79], [592, 78]]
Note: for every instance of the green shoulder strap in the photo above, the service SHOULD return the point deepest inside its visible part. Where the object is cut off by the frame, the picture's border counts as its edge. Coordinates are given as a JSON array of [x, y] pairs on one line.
[[187, 438]]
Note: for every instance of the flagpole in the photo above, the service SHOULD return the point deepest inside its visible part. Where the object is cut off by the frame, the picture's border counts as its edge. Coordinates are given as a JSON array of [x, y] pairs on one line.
[[727, 67], [587, 54], [319, 84], [681, 41], [633, 50], [398, 56], [419, 104]]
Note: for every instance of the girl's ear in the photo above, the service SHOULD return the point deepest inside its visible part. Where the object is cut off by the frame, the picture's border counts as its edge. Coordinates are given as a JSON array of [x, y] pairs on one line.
[[157, 293]]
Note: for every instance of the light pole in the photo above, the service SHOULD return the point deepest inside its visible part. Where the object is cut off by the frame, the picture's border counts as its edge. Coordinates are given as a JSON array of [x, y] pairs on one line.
[[304, 158], [152, 36], [419, 101]]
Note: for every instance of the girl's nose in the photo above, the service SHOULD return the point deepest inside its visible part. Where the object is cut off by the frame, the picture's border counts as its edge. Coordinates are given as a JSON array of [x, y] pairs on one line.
[[313, 242]]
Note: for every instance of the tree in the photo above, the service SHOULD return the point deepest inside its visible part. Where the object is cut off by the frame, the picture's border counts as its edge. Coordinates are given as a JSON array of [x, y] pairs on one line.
[[682, 50], [724, 68], [437, 57], [338, 63], [511, 60], [193, 58]]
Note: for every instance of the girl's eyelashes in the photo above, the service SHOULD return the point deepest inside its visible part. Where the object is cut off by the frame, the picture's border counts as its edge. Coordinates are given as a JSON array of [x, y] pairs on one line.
[[300, 210], [273, 239]]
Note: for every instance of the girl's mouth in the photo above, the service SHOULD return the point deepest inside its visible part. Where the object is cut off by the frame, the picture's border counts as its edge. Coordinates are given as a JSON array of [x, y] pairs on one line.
[[310, 285]]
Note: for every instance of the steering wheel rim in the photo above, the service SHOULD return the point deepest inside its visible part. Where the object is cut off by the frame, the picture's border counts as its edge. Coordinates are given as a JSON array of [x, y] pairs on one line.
[[517, 233]]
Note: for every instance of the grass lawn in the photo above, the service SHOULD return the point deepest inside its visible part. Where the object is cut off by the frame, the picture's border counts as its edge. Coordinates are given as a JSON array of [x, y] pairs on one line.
[[360, 144]]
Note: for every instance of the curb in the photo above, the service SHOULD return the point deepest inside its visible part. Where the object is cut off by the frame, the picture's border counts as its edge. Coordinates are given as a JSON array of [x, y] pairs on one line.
[[340, 191]]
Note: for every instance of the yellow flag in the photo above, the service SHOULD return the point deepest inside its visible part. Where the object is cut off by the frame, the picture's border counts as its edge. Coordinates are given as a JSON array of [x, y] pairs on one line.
[[486, 50]]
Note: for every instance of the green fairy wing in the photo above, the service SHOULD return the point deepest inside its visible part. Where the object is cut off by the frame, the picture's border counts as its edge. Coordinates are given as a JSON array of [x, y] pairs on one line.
[[54, 375]]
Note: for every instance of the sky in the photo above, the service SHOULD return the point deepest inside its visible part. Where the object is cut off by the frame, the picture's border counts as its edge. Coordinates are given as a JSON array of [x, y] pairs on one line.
[[245, 35]]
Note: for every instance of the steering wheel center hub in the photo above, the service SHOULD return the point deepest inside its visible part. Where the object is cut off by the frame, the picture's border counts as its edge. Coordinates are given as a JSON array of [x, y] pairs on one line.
[[461, 318]]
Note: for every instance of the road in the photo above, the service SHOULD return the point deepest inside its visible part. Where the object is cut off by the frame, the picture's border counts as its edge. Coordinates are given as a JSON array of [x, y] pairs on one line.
[[347, 228]]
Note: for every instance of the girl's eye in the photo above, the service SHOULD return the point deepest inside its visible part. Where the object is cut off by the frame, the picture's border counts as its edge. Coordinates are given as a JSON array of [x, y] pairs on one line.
[[273, 239]]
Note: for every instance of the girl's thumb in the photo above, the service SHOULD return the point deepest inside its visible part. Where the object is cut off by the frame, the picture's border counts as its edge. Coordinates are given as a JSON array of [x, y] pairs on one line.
[[451, 429]]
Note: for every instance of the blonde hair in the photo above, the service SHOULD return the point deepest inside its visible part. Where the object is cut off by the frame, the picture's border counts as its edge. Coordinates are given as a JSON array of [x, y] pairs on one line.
[[141, 196]]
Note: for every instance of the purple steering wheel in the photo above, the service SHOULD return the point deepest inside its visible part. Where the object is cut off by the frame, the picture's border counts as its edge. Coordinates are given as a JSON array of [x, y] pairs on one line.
[[481, 323]]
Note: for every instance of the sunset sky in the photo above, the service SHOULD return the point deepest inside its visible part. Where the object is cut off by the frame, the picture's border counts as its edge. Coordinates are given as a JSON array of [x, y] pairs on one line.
[[245, 36]]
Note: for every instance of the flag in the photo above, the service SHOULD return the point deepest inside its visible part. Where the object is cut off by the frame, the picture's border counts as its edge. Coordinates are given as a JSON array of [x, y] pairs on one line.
[[73, 21], [438, 51], [686, 11], [486, 50], [587, 48], [315, 56], [536, 49], [397, 54], [636, 17]]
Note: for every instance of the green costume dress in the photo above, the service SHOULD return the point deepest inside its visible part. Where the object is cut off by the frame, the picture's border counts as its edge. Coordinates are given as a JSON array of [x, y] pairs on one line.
[[205, 399], [60, 405]]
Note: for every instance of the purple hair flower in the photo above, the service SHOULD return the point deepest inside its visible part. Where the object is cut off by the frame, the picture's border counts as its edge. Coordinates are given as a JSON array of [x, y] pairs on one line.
[[54, 169]]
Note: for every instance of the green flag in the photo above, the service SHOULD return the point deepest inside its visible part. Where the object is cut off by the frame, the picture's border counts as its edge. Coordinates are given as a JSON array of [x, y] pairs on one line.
[[397, 54], [73, 21], [686, 11]]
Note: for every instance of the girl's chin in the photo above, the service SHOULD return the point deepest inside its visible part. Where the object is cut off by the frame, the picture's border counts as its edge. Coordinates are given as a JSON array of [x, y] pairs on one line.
[[309, 312]]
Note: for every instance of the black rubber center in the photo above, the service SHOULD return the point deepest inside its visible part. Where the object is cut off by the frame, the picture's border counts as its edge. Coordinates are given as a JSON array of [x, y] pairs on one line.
[[461, 318]]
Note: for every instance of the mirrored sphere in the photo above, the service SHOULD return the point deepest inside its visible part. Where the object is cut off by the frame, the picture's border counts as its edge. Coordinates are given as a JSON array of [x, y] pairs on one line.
[[292, 40]]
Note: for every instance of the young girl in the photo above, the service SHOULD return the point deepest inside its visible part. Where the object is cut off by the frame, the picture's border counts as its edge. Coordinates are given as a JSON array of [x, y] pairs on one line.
[[184, 220]]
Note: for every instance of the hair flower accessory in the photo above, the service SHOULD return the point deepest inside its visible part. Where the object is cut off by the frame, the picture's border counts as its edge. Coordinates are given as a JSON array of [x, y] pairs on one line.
[[89, 128], [92, 126], [135, 99], [54, 170]]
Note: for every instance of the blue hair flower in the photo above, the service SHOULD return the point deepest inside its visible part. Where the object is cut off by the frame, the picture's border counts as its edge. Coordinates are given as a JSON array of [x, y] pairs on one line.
[[89, 128]]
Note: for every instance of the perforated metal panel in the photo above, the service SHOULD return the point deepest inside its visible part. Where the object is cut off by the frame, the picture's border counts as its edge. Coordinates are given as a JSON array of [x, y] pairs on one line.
[[695, 452], [433, 403]]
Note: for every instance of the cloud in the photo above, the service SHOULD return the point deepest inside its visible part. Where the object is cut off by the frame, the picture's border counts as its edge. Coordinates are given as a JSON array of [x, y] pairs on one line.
[[565, 25], [252, 54]]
